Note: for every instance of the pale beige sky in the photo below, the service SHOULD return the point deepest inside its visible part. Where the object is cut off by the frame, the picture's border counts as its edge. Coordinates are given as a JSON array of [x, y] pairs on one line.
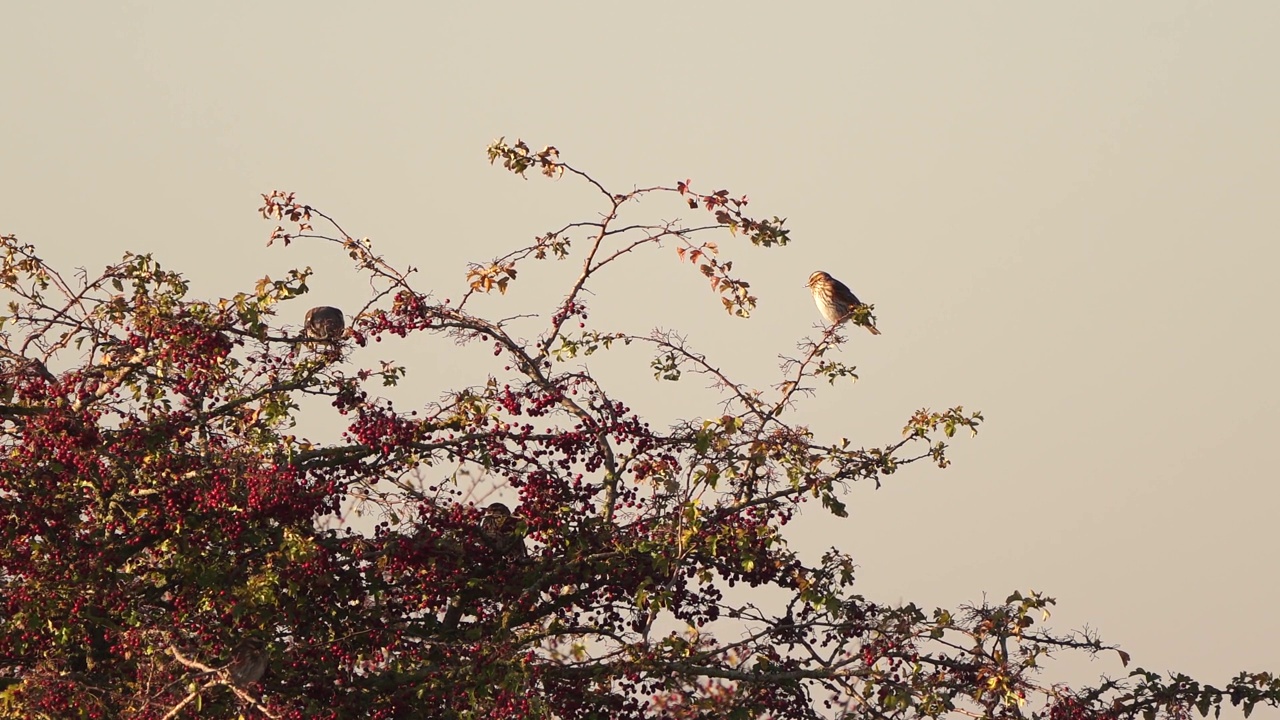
[[1066, 216]]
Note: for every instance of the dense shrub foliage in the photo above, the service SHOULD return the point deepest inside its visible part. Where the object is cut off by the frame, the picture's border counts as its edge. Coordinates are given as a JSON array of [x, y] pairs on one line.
[[171, 546]]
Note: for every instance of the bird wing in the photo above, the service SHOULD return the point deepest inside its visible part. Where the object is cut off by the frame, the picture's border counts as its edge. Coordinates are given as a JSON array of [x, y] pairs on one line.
[[843, 291]]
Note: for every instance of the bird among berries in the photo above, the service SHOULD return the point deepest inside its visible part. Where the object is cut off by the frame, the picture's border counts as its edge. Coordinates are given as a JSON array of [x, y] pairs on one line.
[[498, 530], [324, 323], [496, 576], [835, 300], [248, 663]]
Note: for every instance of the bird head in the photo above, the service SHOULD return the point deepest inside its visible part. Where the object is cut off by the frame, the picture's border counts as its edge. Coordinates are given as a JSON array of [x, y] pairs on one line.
[[817, 277], [496, 516], [497, 510]]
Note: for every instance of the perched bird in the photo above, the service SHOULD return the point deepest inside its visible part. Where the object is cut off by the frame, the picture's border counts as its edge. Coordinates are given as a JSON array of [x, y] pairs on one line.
[[324, 323], [497, 532], [498, 529], [248, 663], [834, 299]]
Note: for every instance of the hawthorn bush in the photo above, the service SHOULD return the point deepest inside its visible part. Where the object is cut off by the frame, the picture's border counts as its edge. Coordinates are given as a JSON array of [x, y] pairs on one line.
[[172, 548]]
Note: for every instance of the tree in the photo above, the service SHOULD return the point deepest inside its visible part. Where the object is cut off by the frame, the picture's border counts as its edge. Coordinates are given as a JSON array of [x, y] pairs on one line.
[[169, 546]]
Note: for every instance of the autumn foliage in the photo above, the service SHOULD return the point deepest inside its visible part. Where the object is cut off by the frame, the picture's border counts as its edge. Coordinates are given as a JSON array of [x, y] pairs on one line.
[[171, 545]]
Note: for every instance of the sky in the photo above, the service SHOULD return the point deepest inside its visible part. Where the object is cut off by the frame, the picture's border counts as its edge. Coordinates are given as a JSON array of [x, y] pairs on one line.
[[1063, 213]]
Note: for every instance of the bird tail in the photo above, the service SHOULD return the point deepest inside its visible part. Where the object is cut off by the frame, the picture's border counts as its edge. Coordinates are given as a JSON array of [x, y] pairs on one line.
[[453, 615], [872, 329]]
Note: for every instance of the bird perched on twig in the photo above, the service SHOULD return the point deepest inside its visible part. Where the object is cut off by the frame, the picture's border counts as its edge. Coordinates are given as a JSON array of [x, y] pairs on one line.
[[324, 323], [835, 300]]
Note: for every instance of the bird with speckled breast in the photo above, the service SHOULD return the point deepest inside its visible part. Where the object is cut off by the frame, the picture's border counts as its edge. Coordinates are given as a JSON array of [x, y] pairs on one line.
[[835, 300]]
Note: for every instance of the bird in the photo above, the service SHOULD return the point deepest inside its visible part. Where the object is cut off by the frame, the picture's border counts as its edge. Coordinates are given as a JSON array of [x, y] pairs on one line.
[[324, 323], [497, 529], [835, 300], [248, 663]]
